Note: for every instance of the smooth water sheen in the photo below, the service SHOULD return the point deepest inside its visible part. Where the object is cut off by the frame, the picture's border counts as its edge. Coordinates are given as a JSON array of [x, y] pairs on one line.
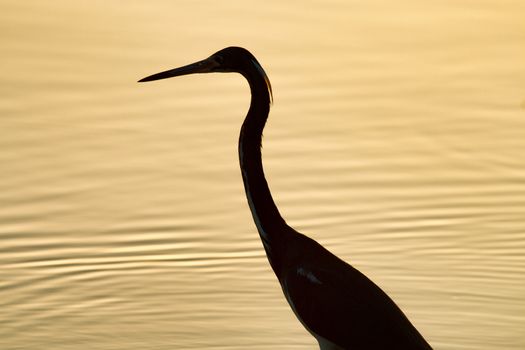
[[397, 140]]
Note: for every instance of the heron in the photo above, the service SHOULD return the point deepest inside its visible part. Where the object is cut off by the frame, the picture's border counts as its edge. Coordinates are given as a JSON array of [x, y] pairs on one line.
[[335, 302]]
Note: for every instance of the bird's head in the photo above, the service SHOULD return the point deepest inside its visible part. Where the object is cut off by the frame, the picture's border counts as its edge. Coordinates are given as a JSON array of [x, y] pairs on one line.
[[230, 59]]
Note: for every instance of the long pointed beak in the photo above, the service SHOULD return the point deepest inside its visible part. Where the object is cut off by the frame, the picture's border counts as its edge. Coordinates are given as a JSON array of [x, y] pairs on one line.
[[204, 66]]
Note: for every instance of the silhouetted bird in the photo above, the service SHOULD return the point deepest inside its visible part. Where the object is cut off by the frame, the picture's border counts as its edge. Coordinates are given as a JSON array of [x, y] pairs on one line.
[[336, 303]]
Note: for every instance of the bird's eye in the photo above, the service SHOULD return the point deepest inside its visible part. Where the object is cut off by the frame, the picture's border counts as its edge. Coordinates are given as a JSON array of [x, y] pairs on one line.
[[219, 59]]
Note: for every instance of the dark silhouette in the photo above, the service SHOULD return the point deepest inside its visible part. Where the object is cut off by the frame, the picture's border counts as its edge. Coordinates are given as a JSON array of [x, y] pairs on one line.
[[337, 304]]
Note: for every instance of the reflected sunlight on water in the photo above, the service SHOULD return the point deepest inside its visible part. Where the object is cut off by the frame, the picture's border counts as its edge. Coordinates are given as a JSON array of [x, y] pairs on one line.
[[396, 140]]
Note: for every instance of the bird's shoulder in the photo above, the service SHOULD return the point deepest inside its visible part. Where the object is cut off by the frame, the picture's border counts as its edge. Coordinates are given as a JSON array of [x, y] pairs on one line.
[[335, 301]]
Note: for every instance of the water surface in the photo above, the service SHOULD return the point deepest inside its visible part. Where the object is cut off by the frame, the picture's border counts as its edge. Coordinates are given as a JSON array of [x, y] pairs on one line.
[[396, 140]]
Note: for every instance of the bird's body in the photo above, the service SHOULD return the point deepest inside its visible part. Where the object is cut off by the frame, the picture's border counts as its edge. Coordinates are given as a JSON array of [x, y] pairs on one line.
[[336, 303]]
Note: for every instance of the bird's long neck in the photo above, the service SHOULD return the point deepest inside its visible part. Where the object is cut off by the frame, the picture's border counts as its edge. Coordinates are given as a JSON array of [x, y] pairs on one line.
[[270, 224]]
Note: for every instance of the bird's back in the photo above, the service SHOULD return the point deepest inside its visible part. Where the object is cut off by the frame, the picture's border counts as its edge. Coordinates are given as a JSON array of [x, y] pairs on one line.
[[340, 306]]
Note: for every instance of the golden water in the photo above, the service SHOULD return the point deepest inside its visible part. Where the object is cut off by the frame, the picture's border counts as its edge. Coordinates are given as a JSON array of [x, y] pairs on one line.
[[397, 140]]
